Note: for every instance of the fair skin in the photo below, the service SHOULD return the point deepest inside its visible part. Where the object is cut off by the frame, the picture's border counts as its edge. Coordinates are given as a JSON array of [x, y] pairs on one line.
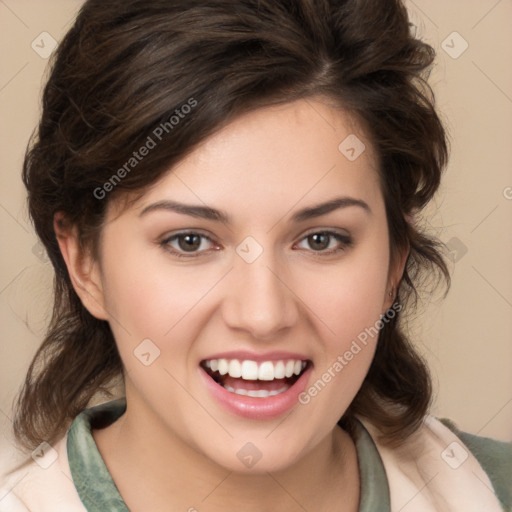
[[176, 446]]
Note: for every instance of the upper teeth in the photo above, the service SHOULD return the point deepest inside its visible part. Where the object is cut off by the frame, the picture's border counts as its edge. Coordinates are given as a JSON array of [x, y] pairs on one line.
[[251, 370]]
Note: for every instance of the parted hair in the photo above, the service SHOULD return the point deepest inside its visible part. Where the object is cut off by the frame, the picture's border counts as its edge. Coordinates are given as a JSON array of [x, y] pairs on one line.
[[126, 67]]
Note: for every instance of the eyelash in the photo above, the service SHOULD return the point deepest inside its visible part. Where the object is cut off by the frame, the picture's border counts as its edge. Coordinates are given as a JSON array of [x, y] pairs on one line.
[[166, 244], [345, 241]]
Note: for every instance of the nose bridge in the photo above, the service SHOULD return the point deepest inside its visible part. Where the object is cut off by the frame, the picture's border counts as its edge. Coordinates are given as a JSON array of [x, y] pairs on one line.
[[258, 300]]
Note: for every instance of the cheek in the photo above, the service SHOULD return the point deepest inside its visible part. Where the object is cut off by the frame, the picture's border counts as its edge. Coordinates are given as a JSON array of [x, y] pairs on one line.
[[347, 302], [141, 290], [147, 298], [349, 297]]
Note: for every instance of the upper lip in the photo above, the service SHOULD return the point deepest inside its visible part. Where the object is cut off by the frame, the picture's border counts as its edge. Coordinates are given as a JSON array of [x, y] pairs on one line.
[[243, 355]]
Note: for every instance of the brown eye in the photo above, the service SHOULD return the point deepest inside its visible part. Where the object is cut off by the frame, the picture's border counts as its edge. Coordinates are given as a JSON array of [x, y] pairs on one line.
[[319, 241], [189, 242], [325, 242]]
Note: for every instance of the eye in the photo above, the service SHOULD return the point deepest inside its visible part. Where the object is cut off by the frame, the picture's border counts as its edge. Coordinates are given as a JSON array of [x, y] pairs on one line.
[[327, 242], [188, 243]]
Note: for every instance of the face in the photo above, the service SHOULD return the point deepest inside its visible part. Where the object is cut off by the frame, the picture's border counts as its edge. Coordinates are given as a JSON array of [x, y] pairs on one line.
[[240, 286]]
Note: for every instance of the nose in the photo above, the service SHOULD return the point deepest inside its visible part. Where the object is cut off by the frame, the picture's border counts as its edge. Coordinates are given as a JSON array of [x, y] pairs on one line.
[[259, 301]]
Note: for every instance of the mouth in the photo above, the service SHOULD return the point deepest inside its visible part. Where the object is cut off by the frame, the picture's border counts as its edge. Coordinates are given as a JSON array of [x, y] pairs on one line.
[[256, 379]]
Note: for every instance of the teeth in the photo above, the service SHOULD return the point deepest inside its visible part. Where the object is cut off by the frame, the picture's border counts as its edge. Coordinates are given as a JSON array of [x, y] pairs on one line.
[[251, 370], [266, 371], [279, 370], [278, 391], [223, 366], [257, 393], [235, 369]]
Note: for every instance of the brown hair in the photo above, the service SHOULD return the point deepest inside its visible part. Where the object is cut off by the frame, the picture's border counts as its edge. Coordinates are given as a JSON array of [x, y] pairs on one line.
[[127, 66]]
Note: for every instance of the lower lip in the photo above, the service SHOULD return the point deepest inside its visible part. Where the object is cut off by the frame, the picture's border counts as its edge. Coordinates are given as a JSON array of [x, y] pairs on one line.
[[257, 408]]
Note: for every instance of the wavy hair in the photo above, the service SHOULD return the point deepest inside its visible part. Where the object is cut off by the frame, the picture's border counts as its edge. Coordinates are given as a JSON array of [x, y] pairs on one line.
[[127, 66]]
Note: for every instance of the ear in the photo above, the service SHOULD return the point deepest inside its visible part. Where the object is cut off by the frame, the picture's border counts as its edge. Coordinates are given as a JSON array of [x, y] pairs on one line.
[[396, 272], [83, 270]]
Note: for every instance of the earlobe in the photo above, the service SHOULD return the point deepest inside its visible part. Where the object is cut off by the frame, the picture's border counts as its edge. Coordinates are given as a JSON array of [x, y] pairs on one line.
[[395, 276], [82, 268]]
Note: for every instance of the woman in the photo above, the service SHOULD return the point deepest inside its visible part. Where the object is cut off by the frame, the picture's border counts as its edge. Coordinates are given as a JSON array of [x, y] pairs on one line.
[[228, 193]]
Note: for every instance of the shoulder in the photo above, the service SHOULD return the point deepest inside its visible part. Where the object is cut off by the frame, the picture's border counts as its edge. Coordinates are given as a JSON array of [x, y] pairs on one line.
[[434, 469], [494, 456], [41, 483]]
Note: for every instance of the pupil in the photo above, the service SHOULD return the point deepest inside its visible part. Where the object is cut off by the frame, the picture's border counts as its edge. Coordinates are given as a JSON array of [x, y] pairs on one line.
[[319, 241], [189, 242]]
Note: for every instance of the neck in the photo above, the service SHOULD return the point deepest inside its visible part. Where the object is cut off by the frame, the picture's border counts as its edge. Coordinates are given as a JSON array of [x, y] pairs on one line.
[[160, 469]]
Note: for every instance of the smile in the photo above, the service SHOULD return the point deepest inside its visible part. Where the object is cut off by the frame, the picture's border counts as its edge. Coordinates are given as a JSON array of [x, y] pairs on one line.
[[255, 389]]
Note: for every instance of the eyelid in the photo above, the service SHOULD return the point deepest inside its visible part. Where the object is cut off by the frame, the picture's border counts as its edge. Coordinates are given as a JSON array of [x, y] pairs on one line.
[[327, 231], [166, 239], [330, 231], [186, 231], [344, 239]]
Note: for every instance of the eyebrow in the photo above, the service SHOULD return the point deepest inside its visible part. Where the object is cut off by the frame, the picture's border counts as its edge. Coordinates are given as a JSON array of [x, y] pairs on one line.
[[328, 207], [205, 212]]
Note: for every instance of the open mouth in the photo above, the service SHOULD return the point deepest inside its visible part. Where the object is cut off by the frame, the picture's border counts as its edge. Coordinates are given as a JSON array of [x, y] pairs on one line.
[[255, 379]]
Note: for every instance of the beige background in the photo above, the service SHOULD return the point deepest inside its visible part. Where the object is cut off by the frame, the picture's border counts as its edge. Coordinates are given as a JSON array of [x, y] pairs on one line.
[[466, 338]]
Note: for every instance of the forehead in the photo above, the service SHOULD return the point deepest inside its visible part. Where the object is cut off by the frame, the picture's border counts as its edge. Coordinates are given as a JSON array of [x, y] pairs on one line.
[[270, 159]]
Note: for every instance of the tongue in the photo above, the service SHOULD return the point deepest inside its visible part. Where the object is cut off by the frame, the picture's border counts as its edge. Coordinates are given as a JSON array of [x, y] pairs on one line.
[[269, 385]]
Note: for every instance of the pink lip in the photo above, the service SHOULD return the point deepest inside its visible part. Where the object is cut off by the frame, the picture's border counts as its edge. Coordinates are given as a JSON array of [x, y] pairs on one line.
[[257, 408], [243, 355]]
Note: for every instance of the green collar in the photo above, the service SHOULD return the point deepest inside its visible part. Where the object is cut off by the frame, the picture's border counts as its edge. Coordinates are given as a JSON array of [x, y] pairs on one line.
[[98, 491], [93, 482]]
